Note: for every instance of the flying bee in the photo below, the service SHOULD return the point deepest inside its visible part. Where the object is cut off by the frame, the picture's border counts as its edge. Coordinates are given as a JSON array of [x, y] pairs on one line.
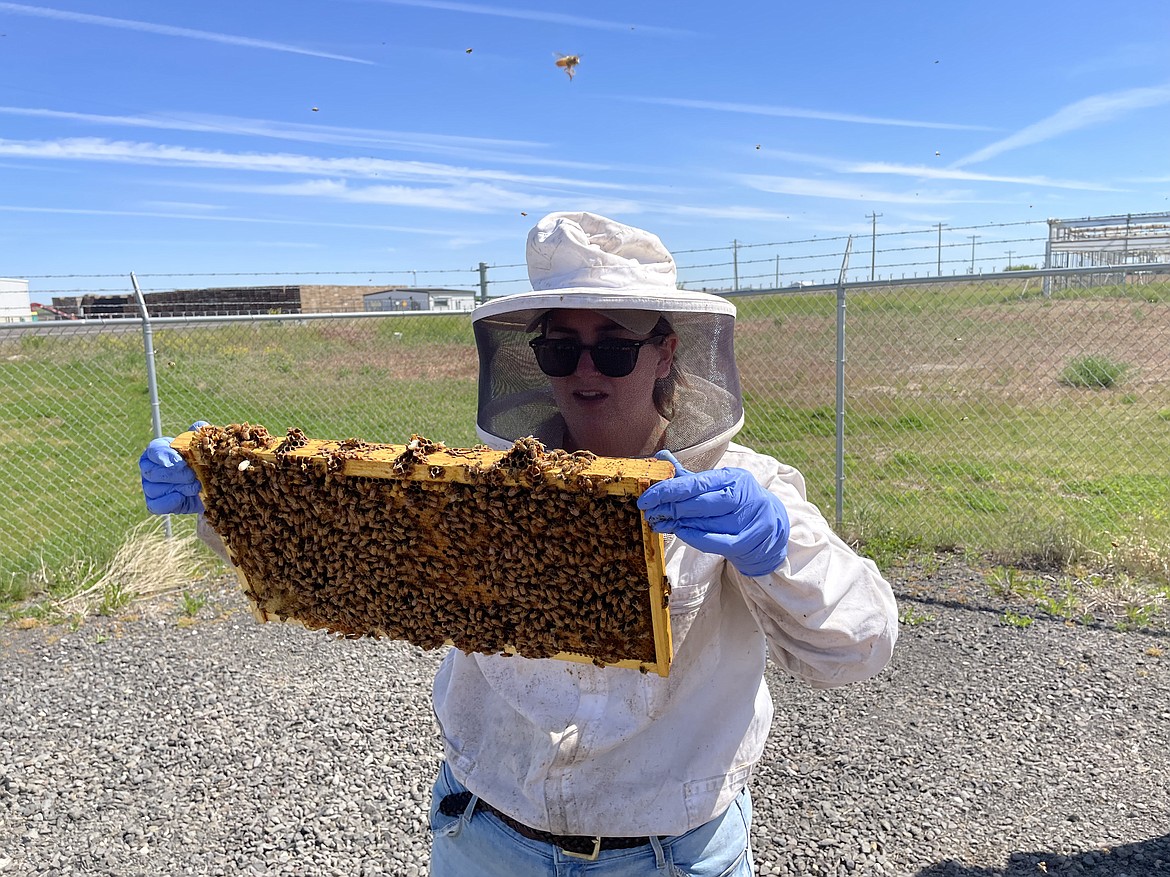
[[567, 63]]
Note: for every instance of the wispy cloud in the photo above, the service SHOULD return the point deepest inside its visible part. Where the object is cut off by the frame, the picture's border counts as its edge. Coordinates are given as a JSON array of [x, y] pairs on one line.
[[171, 31], [931, 172], [923, 172], [265, 128], [313, 222], [538, 15], [472, 197], [346, 180], [452, 145], [1081, 114], [845, 191], [130, 152], [797, 113]]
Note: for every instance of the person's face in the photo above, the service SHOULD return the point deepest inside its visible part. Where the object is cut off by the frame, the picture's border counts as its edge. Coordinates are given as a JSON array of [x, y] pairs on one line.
[[613, 417]]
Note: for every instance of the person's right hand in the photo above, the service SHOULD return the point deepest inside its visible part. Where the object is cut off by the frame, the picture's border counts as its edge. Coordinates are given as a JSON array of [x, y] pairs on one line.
[[169, 484]]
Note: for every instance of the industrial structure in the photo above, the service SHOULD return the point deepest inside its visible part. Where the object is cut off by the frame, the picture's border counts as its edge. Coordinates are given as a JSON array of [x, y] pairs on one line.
[[1108, 242], [14, 302], [285, 299]]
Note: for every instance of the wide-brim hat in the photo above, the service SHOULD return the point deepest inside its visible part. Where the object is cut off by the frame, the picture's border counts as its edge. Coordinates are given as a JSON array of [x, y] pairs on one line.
[[585, 261]]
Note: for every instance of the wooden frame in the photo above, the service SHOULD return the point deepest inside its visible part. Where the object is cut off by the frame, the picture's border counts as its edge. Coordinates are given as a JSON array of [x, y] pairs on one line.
[[257, 482]]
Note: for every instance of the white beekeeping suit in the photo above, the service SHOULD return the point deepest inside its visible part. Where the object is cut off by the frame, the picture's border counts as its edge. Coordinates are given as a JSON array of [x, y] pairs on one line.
[[580, 750]]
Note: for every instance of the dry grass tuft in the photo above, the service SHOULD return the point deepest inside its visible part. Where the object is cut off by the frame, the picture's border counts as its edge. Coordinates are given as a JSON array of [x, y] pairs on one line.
[[1120, 599], [147, 564], [1140, 557]]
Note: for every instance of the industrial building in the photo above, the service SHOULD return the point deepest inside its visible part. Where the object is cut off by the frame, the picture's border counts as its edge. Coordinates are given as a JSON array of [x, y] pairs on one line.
[[285, 299], [15, 306], [1107, 242]]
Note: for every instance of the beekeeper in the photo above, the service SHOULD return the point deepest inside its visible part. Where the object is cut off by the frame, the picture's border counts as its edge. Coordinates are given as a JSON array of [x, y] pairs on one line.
[[549, 764], [549, 761]]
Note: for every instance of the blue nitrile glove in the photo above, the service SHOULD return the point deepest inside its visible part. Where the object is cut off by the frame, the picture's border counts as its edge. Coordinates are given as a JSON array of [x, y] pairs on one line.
[[169, 484], [720, 511]]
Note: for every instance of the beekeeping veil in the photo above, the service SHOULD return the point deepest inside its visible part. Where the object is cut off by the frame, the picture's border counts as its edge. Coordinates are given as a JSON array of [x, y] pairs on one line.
[[585, 261]]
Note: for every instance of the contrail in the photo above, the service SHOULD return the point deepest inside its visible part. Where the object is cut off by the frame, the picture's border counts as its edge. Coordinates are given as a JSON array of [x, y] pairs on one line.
[[170, 31]]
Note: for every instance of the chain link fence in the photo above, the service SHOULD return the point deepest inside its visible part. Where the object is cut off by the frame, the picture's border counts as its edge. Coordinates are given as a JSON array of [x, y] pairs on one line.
[[1020, 413], [1011, 412]]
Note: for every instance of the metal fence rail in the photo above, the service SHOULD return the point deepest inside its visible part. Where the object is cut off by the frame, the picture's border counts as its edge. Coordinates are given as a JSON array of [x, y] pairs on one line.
[[980, 410]]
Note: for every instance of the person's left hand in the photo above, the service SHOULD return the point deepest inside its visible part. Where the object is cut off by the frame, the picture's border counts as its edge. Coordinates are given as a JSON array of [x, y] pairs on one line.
[[720, 511]]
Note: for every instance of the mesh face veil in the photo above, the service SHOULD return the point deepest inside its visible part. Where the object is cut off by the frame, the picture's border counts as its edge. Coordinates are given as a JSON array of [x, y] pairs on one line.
[[582, 261]]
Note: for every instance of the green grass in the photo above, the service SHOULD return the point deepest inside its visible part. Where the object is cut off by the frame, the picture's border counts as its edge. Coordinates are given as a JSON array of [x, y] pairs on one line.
[[75, 415], [1108, 596], [911, 617], [962, 425], [959, 429], [1011, 618], [191, 603], [985, 488]]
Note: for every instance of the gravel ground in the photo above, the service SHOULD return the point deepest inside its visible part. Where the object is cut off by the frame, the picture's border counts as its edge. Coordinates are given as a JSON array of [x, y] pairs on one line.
[[163, 745]]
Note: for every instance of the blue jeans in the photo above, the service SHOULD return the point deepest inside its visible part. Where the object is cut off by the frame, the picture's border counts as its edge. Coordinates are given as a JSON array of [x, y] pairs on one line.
[[480, 845]]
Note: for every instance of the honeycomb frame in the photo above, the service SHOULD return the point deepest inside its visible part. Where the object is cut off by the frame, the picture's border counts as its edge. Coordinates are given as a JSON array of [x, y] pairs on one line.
[[526, 552]]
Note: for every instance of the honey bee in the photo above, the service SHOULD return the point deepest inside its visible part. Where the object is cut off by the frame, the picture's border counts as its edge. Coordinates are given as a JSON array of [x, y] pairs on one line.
[[567, 63]]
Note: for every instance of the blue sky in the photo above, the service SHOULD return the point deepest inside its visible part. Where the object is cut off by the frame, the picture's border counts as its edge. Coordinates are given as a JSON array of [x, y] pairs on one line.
[[407, 137]]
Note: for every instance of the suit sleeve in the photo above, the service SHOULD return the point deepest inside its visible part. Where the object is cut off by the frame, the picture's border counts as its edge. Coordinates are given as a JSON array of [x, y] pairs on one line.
[[211, 539]]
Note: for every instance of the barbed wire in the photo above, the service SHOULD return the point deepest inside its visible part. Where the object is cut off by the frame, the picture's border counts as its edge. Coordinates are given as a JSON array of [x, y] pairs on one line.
[[941, 250], [736, 245], [933, 229]]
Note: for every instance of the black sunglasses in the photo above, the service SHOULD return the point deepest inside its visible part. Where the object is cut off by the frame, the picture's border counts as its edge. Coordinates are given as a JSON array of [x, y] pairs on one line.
[[613, 357]]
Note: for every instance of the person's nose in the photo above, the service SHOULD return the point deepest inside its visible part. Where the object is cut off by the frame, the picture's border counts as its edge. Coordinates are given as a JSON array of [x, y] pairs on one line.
[[585, 365]]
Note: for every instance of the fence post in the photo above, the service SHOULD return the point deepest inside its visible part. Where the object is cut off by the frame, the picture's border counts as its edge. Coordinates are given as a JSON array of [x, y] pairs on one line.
[[151, 380], [482, 282], [840, 403]]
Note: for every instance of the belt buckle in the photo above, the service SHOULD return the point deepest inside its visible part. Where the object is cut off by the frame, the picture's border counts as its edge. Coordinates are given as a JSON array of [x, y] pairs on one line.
[[588, 857]]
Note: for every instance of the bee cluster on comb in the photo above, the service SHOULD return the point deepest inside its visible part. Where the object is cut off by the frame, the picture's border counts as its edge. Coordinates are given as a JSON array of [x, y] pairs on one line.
[[527, 551]]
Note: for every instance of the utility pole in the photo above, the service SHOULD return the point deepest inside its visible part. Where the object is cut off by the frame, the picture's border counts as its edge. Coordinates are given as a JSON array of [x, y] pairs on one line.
[[938, 269], [777, 271], [1009, 264], [973, 238], [873, 245], [735, 262]]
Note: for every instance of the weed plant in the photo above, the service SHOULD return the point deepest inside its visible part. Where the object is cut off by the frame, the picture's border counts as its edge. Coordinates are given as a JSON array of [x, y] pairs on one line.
[[1093, 372]]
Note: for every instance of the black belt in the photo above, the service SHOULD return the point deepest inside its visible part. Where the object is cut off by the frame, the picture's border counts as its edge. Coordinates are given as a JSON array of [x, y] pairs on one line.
[[574, 845]]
